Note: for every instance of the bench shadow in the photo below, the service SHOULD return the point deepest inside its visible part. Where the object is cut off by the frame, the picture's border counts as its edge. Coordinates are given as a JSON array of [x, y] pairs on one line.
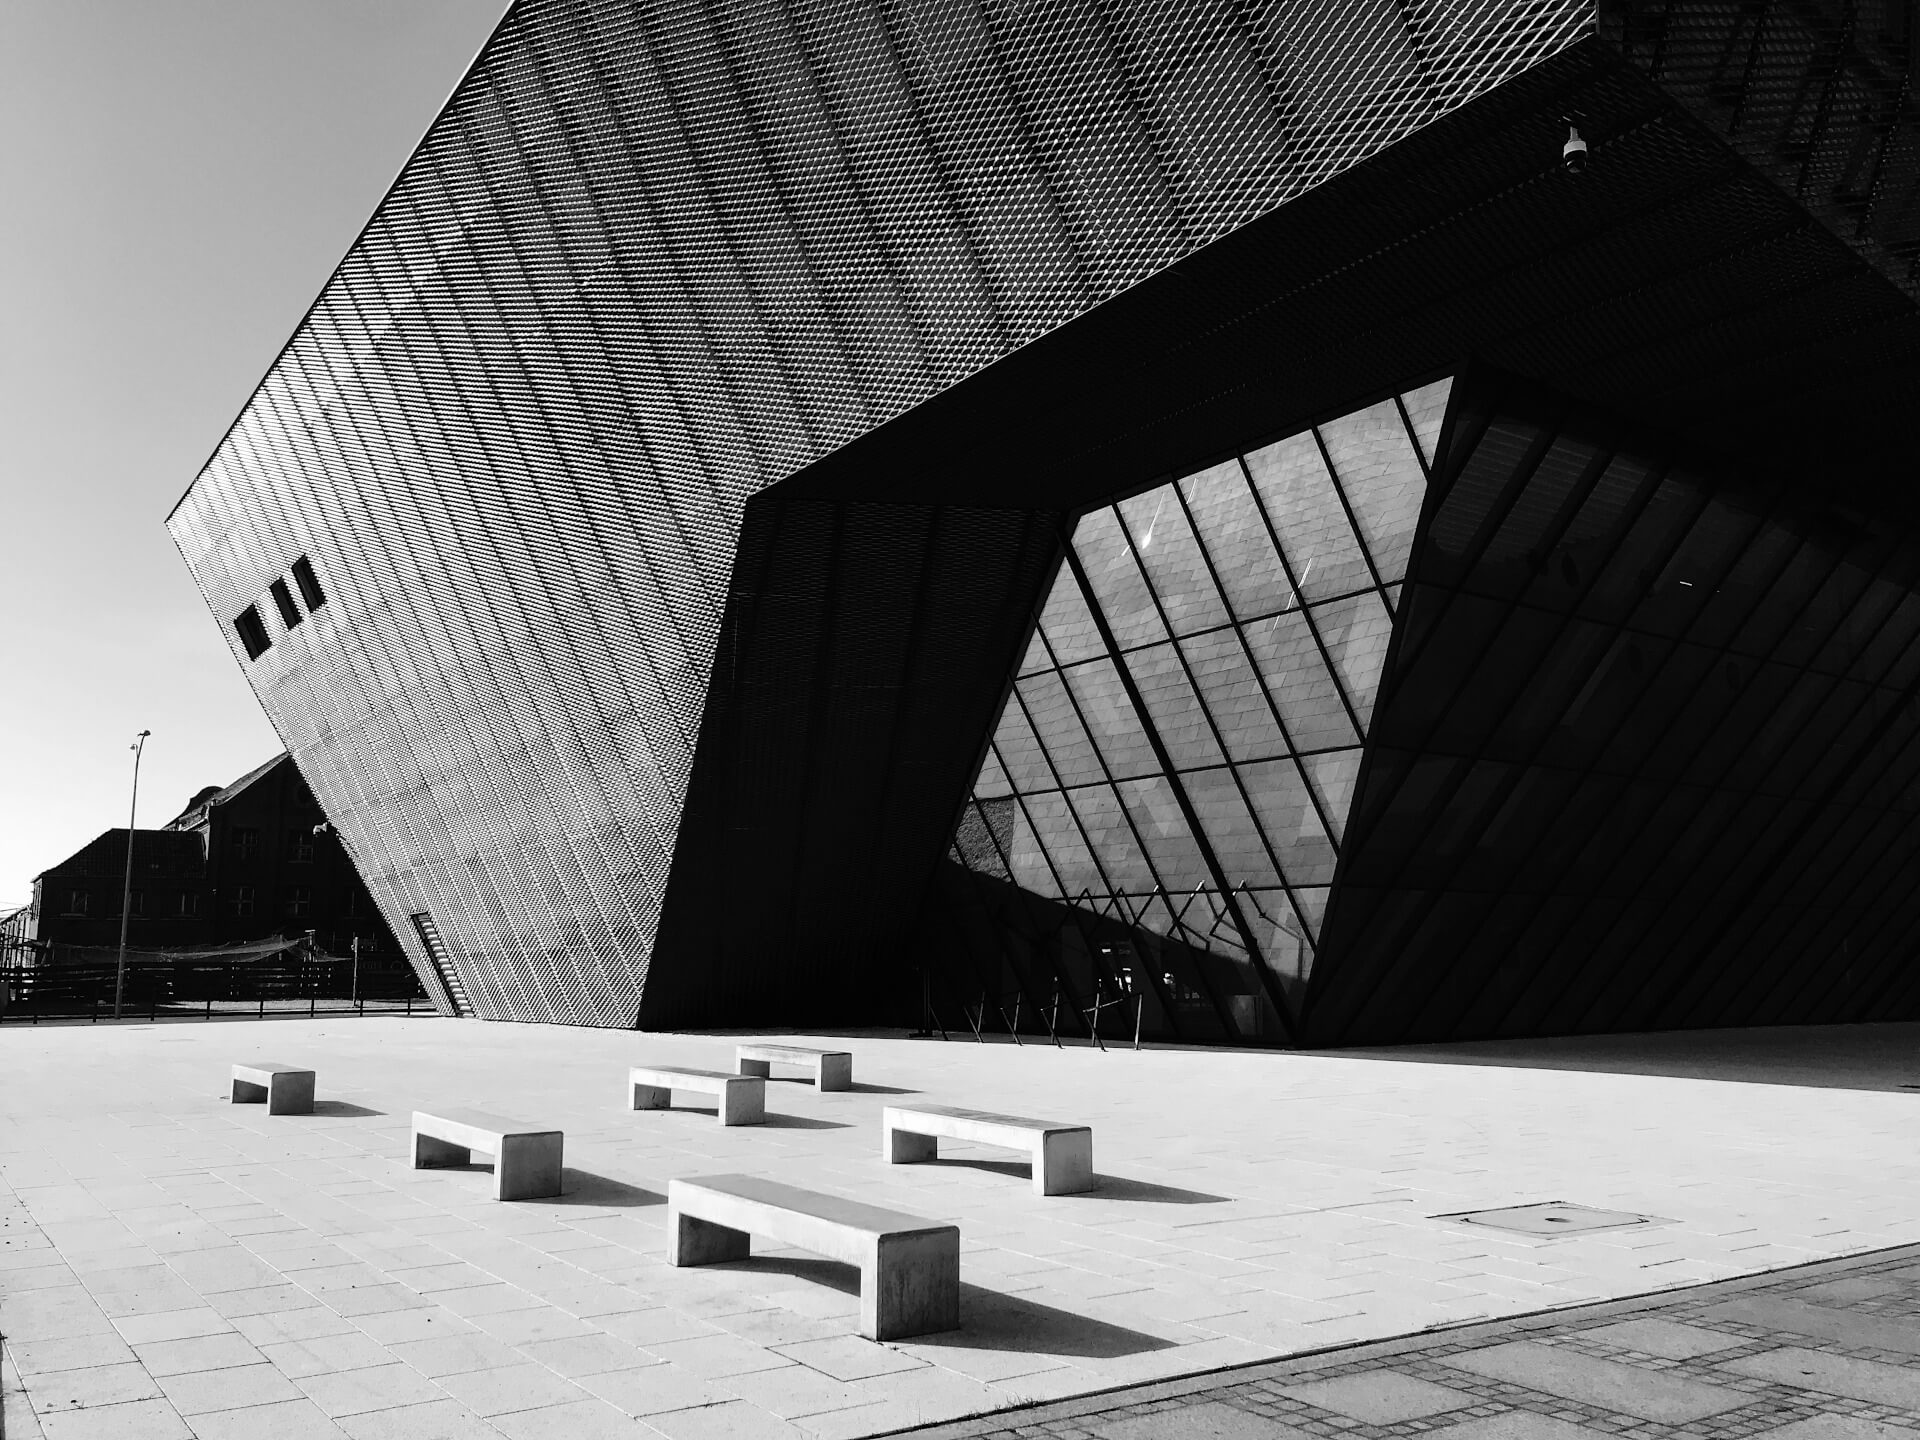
[[1118, 1187], [342, 1107], [988, 1319], [879, 1090], [830, 1273], [803, 1122], [577, 1187], [1105, 1187], [583, 1187], [772, 1122], [992, 1321]]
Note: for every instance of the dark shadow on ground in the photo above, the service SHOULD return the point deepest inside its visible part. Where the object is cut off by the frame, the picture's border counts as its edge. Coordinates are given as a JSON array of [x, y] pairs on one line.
[[583, 1187], [879, 1090], [1118, 1187], [988, 1319], [1105, 1187], [577, 1187], [772, 1122], [1014, 1169], [1829, 1057], [804, 1122], [341, 1107], [992, 1321], [830, 1273]]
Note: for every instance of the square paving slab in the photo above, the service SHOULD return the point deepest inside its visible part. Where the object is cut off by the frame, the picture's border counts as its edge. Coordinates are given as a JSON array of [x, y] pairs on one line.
[[1248, 1205]]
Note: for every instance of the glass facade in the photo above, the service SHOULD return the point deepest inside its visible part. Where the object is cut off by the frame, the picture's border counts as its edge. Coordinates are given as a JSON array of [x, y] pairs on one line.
[[690, 496], [1180, 748], [651, 260]]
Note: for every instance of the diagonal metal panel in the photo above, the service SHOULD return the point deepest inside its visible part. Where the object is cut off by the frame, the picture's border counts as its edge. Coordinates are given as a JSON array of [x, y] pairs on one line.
[[652, 258]]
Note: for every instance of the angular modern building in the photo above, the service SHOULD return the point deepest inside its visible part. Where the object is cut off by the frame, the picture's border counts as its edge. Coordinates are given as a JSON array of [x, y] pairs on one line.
[[1187, 519]]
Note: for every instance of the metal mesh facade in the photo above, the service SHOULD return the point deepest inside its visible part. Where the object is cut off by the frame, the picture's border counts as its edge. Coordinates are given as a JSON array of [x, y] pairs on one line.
[[1648, 754], [1816, 93], [651, 259]]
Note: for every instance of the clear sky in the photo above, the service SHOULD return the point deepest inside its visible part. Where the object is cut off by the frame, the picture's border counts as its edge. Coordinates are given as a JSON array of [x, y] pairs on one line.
[[177, 180]]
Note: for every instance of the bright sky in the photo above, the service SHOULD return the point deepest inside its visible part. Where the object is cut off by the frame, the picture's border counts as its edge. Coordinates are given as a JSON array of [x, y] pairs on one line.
[[177, 181]]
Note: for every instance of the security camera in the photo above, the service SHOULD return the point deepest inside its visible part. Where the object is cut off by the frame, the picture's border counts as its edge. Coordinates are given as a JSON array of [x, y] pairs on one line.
[[1573, 155]]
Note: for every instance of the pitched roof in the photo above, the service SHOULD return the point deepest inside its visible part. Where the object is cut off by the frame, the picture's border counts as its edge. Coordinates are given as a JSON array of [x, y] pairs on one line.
[[210, 797]]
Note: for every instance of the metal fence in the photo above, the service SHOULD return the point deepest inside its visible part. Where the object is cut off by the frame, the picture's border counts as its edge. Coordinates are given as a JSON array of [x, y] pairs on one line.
[[290, 985]]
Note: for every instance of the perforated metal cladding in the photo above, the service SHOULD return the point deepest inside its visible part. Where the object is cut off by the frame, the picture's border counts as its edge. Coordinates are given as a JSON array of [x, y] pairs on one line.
[[651, 259], [1647, 755], [862, 661], [1817, 94]]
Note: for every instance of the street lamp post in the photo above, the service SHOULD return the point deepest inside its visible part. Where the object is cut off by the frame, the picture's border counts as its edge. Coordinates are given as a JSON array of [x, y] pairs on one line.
[[126, 890]]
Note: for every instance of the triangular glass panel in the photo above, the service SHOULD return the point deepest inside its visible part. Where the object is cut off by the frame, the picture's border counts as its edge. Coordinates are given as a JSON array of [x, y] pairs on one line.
[[1427, 412], [1068, 624], [1334, 774], [1383, 480]]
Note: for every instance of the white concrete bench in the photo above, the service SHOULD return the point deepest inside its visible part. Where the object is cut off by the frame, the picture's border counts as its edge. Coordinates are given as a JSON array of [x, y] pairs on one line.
[[526, 1159], [909, 1267], [743, 1098], [832, 1069], [1062, 1154], [287, 1089]]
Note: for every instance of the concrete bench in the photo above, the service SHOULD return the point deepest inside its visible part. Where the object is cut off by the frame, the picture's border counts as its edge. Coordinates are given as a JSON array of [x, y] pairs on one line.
[[909, 1267], [526, 1159], [743, 1098], [1062, 1154], [287, 1089], [832, 1069]]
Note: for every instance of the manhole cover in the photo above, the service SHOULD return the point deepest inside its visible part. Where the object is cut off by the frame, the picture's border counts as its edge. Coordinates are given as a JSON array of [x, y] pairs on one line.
[[1555, 1217]]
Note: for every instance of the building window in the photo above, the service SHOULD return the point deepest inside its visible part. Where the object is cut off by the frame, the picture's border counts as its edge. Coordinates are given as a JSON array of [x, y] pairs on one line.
[[300, 847], [252, 632], [300, 901], [283, 601], [136, 902], [77, 902], [309, 583], [243, 900], [246, 842], [189, 903]]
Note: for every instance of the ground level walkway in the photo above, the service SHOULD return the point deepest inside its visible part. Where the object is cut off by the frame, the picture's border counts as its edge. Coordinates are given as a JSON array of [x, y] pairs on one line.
[[173, 1265], [1829, 1351]]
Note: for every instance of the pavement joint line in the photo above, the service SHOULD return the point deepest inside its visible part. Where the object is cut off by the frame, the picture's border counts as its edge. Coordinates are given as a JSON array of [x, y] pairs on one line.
[[1464, 1334], [182, 1171]]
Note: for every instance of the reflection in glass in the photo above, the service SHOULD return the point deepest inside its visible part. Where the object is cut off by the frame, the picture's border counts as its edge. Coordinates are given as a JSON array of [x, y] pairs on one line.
[[1195, 785]]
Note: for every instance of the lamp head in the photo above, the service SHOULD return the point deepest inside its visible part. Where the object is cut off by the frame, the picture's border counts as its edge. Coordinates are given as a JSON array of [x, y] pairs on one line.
[[1573, 155]]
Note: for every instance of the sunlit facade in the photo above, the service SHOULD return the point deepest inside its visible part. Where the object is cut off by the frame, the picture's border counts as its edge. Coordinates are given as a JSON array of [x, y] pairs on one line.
[[1111, 519]]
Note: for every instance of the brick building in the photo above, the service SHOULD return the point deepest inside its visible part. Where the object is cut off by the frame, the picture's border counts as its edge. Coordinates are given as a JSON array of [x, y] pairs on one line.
[[242, 862]]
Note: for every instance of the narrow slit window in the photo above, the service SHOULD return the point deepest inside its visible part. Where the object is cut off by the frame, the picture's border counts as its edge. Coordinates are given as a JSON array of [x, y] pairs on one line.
[[252, 632], [283, 598], [309, 584]]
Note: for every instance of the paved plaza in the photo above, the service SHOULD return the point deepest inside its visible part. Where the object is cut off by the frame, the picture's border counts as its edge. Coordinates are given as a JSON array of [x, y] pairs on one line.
[[173, 1265], [1829, 1351]]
